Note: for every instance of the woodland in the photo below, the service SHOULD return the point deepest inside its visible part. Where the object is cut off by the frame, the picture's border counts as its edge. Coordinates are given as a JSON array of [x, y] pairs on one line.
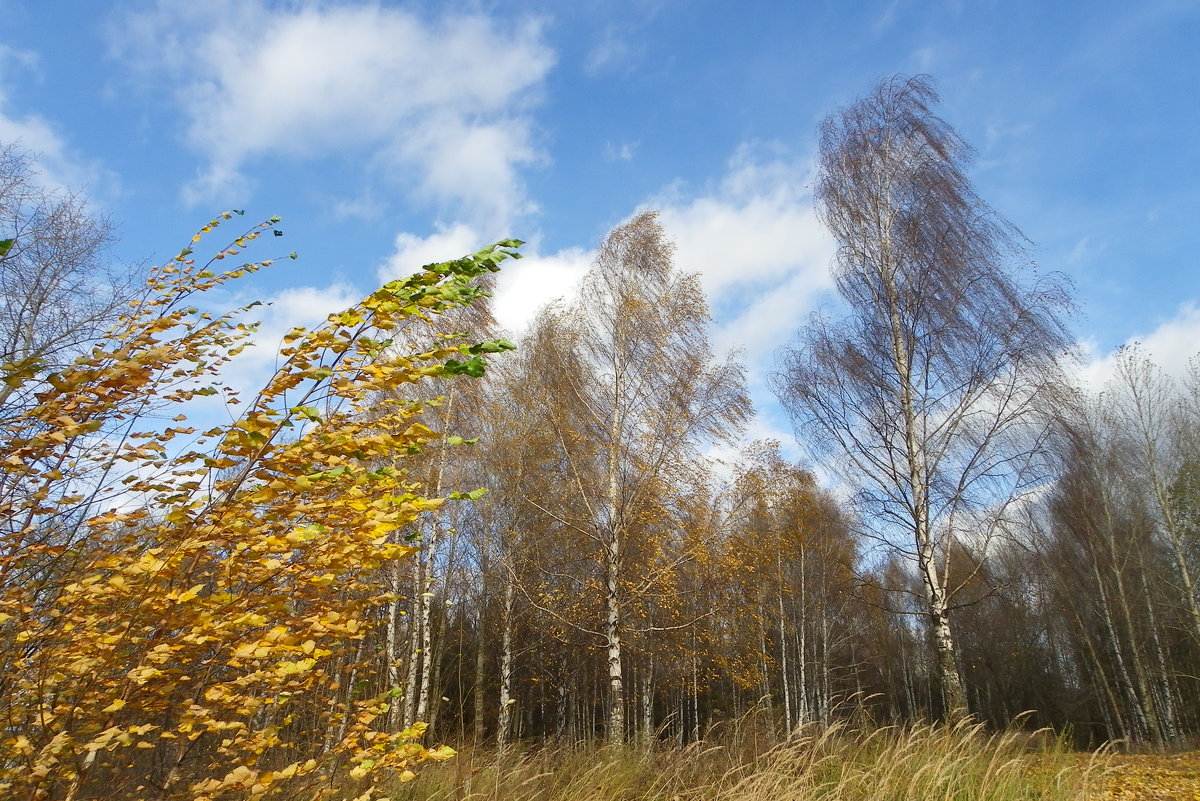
[[424, 535]]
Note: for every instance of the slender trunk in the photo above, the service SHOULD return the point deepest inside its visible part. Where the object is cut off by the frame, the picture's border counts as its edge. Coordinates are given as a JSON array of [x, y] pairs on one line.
[[425, 602], [612, 630], [480, 666], [504, 721], [766, 698], [433, 688], [802, 693], [917, 483], [788, 719], [478, 728], [392, 647], [425, 589], [1133, 707], [648, 701], [1165, 694], [826, 691], [412, 683], [1146, 701], [331, 710], [564, 702], [358, 654], [695, 689], [910, 696]]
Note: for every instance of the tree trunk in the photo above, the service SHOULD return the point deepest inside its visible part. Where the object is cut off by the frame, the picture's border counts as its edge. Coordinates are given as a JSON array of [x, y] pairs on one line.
[[612, 630], [504, 720], [395, 717]]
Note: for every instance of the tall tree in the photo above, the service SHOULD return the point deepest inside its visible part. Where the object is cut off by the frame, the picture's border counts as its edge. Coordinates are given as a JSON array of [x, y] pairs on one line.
[[929, 387], [632, 391]]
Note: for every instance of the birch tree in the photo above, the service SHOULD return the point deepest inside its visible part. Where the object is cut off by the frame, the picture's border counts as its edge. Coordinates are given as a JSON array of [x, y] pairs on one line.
[[632, 391], [928, 389]]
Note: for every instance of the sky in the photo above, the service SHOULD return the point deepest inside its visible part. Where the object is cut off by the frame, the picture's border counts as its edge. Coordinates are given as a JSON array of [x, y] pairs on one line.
[[393, 134]]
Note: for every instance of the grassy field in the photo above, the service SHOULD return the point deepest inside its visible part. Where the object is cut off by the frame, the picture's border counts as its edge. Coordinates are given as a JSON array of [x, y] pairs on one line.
[[960, 763]]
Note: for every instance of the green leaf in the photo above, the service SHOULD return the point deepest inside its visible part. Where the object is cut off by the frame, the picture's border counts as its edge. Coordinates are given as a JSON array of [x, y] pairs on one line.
[[5, 246], [473, 367], [493, 346], [310, 412]]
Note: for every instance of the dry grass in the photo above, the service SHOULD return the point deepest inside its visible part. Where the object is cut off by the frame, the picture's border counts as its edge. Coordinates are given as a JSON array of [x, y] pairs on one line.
[[960, 763]]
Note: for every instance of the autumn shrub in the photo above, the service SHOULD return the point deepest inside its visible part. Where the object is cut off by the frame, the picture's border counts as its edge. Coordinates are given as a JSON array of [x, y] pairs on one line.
[[179, 607]]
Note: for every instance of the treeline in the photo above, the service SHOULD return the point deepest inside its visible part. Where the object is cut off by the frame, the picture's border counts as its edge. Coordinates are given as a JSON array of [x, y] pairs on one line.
[[732, 587]]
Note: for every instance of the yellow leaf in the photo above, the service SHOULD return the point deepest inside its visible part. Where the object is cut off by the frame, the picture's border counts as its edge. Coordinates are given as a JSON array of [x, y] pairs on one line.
[[114, 706], [239, 775], [245, 651], [295, 668]]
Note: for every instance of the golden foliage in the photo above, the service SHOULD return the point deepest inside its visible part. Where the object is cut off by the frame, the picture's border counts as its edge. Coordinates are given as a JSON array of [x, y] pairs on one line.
[[172, 604]]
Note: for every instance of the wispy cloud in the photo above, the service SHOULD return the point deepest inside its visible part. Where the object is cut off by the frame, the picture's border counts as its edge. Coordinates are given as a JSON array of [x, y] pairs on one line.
[[612, 53], [621, 152], [58, 167]]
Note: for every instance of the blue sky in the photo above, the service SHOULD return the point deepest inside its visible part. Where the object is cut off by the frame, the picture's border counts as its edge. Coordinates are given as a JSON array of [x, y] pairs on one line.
[[391, 134]]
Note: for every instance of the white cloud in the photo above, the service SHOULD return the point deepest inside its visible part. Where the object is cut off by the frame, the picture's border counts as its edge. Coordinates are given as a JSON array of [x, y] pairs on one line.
[[527, 285], [441, 105], [414, 252], [1170, 345]]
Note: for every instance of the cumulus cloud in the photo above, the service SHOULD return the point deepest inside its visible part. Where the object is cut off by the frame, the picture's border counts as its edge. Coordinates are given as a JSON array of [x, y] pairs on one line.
[[411, 252], [439, 104], [537, 280], [1170, 345], [762, 255]]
